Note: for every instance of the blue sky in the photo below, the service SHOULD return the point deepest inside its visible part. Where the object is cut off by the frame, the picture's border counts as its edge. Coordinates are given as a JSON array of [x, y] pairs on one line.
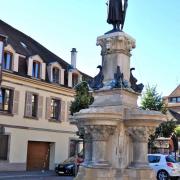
[[61, 25]]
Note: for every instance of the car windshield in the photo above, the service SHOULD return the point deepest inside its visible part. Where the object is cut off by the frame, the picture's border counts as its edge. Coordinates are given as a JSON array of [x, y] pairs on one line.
[[170, 159]]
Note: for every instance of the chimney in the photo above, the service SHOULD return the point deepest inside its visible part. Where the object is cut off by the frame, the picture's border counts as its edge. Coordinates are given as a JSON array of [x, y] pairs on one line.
[[73, 57], [2, 40]]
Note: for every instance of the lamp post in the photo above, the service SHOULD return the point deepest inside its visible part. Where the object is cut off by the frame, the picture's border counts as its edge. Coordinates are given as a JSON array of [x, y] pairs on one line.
[[2, 40]]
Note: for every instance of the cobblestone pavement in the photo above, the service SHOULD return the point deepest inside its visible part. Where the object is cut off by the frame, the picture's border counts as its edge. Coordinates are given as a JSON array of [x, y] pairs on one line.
[[47, 175]]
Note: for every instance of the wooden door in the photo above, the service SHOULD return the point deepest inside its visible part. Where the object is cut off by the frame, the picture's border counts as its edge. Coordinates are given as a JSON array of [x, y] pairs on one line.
[[38, 156]]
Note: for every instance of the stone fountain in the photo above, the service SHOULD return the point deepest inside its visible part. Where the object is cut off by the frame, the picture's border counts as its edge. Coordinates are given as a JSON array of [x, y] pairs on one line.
[[115, 130]]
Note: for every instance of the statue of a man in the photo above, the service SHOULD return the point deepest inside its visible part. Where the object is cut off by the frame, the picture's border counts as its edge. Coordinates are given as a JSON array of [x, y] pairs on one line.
[[116, 13]]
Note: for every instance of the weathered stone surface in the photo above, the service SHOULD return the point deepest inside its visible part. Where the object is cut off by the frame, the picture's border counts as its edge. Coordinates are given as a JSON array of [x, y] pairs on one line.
[[116, 131], [115, 52]]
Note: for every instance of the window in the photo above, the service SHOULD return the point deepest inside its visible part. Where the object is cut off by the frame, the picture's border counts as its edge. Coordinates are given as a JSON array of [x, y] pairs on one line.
[[56, 75], [74, 79], [154, 159], [5, 100], [178, 99], [76, 147], [55, 108], [34, 105], [7, 61], [170, 159], [36, 69], [174, 99], [4, 147]]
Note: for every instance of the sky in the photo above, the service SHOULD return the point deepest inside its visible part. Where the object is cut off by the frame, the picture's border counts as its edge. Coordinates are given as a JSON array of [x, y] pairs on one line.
[[61, 25]]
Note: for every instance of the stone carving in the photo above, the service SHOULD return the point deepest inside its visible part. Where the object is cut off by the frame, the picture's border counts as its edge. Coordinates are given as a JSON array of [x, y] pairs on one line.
[[119, 79], [116, 14], [101, 132], [140, 134], [116, 44], [136, 87], [97, 82]]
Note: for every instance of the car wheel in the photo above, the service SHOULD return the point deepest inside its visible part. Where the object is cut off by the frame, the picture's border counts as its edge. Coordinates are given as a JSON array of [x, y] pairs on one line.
[[162, 175]]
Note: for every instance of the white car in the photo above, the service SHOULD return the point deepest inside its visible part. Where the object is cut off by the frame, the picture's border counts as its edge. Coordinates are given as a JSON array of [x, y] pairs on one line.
[[165, 166]]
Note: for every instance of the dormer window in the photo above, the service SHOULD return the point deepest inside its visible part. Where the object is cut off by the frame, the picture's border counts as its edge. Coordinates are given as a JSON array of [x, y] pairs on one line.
[[36, 69], [7, 61], [56, 74], [74, 77]]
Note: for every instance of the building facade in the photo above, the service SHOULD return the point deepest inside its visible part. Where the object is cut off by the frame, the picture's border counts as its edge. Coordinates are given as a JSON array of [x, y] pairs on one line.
[[173, 104], [36, 92]]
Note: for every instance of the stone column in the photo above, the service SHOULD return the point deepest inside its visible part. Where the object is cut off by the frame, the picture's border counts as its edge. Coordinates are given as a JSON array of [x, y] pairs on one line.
[[140, 137], [100, 135], [115, 52], [87, 149]]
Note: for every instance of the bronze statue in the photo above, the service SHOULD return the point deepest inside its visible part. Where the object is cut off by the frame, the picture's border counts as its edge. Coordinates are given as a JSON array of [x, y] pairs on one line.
[[116, 14]]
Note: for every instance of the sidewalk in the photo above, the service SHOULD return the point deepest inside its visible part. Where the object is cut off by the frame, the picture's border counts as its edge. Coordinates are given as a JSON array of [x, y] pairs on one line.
[[26, 174]]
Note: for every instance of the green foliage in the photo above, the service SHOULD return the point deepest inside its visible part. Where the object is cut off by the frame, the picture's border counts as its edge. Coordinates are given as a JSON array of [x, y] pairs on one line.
[[177, 131], [165, 129], [151, 100], [82, 99]]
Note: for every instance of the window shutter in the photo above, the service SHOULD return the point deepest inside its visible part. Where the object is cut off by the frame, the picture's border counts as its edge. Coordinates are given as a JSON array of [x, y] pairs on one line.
[[30, 66], [40, 106], [68, 108], [16, 63], [28, 105], [43, 71], [69, 79], [16, 102], [62, 111], [49, 71], [61, 76], [48, 108]]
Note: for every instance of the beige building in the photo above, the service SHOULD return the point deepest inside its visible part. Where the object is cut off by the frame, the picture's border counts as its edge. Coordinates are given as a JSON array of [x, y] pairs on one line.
[[35, 133]]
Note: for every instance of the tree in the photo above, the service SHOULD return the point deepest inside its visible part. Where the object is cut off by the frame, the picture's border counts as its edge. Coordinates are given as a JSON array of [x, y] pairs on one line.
[[151, 100], [82, 99]]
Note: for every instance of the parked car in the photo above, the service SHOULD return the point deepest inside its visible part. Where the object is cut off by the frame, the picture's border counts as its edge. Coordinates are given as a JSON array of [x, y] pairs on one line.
[[165, 166], [70, 166]]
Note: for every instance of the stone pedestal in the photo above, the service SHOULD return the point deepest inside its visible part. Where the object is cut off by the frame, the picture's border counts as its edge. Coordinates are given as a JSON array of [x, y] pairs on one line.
[[115, 52], [116, 132]]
